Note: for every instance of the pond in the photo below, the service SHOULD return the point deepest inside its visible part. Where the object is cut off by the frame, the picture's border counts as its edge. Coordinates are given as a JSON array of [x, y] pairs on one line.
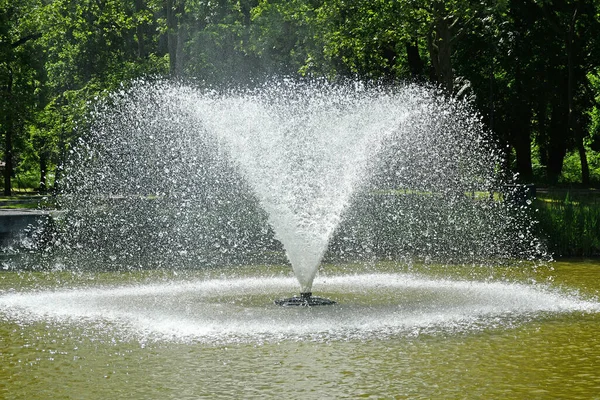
[[395, 333]]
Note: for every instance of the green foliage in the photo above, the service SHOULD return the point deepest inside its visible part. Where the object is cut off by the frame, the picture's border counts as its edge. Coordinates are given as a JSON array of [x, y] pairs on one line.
[[571, 173], [571, 224], [530, 68], [57, 57], [284, 35], [571, 168], [594, 112], [21, 77]]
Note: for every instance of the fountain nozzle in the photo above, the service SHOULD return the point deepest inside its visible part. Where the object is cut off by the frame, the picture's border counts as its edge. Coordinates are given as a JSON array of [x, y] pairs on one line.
[[306, 299]]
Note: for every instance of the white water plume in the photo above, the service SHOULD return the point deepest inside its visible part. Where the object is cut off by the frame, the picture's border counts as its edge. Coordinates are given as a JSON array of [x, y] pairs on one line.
[[171, 175]]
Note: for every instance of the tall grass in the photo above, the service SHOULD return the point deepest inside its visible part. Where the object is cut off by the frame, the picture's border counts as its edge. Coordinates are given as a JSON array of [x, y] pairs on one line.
[[571, 226]]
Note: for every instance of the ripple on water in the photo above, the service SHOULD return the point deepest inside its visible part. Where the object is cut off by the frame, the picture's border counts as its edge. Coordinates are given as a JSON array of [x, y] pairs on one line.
[[242, 310]]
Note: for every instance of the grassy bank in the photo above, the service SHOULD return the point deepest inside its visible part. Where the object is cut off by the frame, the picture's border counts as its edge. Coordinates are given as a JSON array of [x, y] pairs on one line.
[[26, 201], [570, 221]]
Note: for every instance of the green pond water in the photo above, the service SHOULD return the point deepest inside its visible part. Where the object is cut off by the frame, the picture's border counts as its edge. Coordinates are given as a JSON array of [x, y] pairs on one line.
[[395, 333]]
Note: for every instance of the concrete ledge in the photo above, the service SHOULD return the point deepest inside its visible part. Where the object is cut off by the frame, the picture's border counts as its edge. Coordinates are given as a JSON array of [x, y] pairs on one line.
[[13, 223]]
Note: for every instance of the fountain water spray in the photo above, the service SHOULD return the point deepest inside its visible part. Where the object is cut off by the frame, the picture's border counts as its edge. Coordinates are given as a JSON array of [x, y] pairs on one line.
[[170, 175]]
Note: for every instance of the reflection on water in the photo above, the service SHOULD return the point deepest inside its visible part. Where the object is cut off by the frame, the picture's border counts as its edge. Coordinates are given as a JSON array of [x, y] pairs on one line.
[[448, 339]]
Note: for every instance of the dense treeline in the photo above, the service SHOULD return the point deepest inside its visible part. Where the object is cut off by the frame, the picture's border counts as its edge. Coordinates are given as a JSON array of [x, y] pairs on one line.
[[531, 67]]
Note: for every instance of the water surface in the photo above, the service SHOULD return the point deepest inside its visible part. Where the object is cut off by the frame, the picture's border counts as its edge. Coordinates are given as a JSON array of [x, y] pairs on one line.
[[393, 335]]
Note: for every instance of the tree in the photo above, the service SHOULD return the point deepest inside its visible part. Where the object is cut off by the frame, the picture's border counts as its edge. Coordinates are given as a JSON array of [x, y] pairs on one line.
[[93, 47], [19, 75], [528, 65], [570, 31]]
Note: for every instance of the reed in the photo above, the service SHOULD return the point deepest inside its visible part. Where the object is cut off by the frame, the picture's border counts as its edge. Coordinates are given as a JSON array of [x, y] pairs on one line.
[[571, 226]]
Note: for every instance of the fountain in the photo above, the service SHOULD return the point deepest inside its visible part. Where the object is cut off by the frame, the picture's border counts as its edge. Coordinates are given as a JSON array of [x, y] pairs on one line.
[[172, 178], [187, 213], [168, 172]]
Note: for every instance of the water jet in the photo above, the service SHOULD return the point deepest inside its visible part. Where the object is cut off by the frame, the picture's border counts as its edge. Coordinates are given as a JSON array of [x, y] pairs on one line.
[[287, 172]]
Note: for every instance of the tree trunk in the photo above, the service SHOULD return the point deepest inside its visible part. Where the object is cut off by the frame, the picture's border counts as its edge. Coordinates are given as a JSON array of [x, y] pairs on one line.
[[440, 47], [521, 130], [172, 35], [585, 168], [175, 9], [572, 121], [139, 30], [8, 167], [8, 135], [556, 156], [63, 153], [181, 40], [522, 146], [415, 64], [43, 174]]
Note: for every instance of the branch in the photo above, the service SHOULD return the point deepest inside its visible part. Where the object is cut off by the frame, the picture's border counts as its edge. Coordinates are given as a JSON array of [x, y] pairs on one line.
[[25, 39], [461, 31]]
